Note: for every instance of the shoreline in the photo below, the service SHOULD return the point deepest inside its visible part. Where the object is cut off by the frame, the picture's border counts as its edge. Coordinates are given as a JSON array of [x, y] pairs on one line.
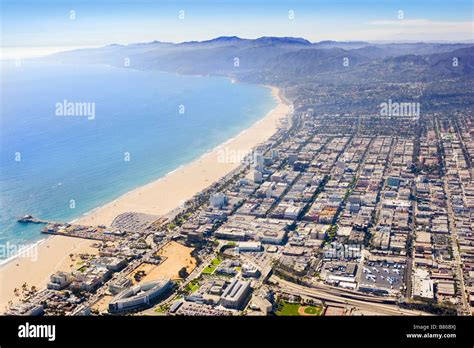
[[25, 250], [158, 197], [143, 199], [276, 96]]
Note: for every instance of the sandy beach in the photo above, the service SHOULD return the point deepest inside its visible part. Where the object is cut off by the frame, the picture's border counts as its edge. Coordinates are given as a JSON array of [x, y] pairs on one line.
[[163, 195], [158, 197], [50, 256]]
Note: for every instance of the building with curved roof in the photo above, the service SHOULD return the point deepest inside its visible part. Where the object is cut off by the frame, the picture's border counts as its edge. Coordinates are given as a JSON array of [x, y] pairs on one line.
[[139, 296]]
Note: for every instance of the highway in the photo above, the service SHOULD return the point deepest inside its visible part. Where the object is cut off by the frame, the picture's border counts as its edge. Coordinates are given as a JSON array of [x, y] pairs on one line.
[[381, 305]]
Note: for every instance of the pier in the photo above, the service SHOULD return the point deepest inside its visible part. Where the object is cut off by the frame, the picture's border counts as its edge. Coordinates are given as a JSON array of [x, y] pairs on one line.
[[32, 220], [101, 233]]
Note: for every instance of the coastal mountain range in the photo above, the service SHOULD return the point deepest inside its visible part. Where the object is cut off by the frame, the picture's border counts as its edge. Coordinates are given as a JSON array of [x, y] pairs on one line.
[[288, 60]]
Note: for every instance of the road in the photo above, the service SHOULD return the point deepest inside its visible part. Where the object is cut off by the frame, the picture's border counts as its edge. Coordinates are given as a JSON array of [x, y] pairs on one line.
[[361, 301], [457, 257], [452, 227]]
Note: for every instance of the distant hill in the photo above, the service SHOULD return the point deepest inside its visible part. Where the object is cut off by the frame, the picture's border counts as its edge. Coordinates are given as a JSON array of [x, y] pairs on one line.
[[287, 59], [348, 45]]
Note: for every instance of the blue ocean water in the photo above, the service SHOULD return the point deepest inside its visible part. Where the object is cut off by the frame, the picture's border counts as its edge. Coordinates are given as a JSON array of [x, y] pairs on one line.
[[49, 160]]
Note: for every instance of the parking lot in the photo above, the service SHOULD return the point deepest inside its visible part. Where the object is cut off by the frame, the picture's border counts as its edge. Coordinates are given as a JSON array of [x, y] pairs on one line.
[[382, 275]]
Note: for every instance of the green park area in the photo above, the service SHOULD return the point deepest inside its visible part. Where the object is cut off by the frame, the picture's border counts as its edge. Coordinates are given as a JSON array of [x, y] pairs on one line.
[[293, 309], [312, 310], [192, 286], [212, 267], [287, 309], [209, 270], [216, 262], [161, 309]]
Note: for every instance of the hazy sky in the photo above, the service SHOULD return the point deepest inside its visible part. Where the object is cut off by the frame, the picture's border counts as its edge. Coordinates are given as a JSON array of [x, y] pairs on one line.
[[67, 23]]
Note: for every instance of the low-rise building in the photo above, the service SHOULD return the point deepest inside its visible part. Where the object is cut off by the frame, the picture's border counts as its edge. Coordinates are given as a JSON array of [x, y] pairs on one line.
[[235, 294]]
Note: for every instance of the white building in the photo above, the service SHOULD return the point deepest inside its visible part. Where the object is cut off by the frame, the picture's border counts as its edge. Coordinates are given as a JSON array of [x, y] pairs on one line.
[[248, 246], [59, 280], [138, 296], [257, 176], [258, 161], [235, 294], [218, 200], [422, 284], [249, 270]]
